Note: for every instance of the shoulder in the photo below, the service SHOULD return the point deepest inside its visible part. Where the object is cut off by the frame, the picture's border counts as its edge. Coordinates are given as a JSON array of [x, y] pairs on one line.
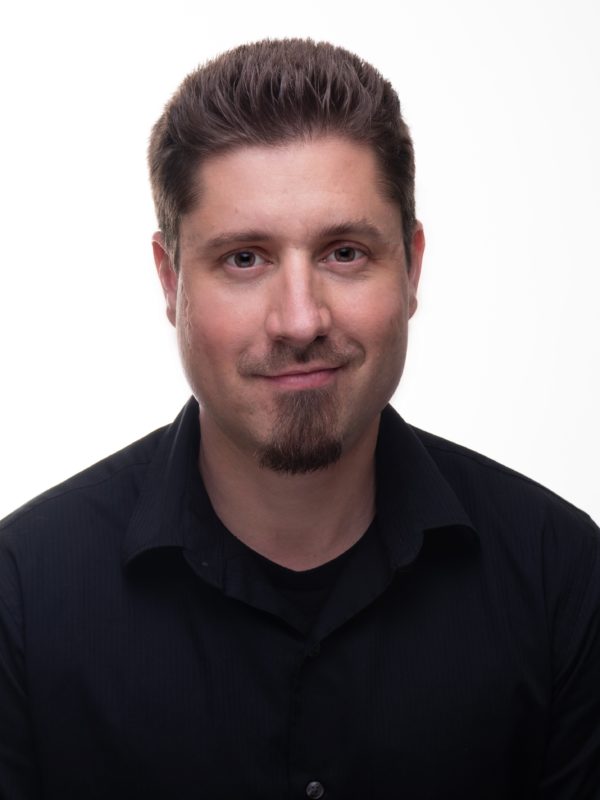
[[524, 529], [539, 551], [107, 490], [488, 489], [65, 533]]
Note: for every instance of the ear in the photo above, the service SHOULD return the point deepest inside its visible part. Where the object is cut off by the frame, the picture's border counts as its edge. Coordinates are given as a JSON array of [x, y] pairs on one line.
[[416, 259], [166, 274]]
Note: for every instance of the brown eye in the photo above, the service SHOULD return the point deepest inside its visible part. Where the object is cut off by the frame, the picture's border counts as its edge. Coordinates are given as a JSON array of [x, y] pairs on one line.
[[245, 259], [345, 254]]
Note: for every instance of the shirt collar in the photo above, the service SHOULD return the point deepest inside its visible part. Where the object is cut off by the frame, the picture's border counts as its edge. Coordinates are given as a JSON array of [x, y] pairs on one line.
[[412, 495], [159, 516]]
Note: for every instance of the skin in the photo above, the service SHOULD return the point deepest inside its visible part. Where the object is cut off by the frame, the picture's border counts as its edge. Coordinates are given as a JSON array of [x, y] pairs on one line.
[[292, 277]]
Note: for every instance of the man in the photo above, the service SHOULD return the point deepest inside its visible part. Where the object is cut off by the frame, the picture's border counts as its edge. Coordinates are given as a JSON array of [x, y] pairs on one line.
[[289, 592]]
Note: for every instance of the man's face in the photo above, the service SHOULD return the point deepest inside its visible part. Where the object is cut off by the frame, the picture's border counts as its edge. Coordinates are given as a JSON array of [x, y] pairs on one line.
[[292, 300]]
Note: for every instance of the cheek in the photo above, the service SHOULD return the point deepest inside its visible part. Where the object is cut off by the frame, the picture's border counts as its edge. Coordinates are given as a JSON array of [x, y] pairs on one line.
[[381, 320], [385, 341], [210, 329]]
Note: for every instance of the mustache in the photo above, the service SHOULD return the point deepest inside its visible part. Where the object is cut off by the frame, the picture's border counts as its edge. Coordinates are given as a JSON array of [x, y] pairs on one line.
[[284, 355]]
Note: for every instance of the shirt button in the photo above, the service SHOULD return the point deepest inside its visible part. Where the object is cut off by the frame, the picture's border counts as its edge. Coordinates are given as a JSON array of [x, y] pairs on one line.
[[315, 790]]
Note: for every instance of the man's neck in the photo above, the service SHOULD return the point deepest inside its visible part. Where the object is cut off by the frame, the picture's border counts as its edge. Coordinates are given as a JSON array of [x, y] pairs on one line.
[[298, 521]]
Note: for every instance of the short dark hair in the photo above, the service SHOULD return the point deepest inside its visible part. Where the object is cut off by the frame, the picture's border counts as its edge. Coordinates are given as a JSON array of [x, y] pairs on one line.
[[271, 92]]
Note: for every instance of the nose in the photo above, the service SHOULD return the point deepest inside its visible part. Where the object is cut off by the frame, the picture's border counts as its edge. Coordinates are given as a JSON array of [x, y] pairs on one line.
[[298, 312]]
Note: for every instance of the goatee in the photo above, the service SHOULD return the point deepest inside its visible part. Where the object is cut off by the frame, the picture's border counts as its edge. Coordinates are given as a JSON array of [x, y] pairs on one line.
[[304, 437]]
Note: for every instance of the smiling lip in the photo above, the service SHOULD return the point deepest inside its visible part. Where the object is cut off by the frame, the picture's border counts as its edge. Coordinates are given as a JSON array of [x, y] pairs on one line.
[[303, 379]]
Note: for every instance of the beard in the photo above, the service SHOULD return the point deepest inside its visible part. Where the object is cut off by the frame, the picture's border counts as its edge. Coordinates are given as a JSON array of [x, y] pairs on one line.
[[304, 436]]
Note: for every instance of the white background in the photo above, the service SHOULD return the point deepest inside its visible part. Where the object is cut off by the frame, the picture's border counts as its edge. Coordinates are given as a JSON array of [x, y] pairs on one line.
[[503, 101]]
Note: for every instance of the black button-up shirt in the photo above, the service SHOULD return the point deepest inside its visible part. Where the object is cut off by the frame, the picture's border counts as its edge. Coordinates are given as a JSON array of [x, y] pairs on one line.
[[145, 652]]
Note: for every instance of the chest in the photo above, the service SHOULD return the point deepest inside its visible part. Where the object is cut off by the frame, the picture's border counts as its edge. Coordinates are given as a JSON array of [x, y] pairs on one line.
[[177, 689]]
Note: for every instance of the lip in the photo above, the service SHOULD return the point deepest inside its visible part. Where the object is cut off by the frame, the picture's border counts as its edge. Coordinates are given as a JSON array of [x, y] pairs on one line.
[[313, 378]]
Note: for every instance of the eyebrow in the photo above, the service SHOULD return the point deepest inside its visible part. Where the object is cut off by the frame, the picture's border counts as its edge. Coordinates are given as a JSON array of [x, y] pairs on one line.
[[358, 227]]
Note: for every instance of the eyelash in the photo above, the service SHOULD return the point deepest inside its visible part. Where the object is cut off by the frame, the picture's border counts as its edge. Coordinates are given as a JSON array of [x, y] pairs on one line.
[[228, 259], [359, 252]]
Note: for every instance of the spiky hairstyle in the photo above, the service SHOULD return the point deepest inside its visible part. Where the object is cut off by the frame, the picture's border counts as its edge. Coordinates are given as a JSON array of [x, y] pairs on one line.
[[268, 93]]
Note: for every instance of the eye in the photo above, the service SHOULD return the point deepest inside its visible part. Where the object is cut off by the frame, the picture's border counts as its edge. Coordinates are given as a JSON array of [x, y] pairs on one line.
[[345, 255], [244, 259]]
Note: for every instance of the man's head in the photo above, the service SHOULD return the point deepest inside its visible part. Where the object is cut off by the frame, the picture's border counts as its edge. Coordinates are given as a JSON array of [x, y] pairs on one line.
[[289, 254], [271, 93]]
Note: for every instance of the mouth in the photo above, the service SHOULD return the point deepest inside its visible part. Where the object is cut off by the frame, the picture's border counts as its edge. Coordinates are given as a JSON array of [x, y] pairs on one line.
[[314, 377]]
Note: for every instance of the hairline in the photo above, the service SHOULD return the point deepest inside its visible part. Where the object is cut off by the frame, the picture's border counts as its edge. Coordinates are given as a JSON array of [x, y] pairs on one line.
[[173, 247]]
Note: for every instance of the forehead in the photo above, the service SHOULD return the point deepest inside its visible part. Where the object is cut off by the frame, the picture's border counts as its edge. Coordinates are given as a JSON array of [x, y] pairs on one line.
[[290, 189]]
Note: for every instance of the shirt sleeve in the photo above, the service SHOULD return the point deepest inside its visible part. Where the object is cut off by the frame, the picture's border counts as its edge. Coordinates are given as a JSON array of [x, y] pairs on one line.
[[19, 773], [572, 571]]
